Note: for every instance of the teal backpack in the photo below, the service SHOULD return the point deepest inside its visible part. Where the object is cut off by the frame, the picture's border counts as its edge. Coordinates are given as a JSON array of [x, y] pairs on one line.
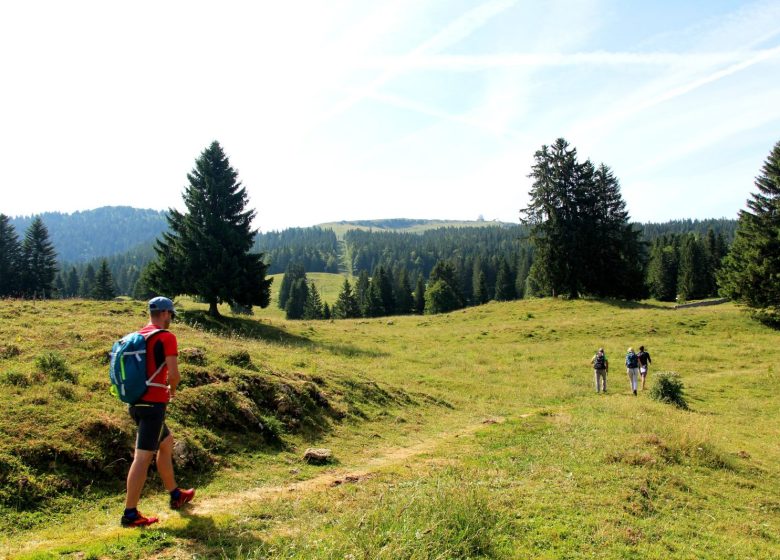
[[127, 371]]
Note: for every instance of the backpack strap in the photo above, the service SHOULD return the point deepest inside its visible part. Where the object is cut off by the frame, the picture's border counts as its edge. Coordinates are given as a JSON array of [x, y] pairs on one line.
[[159, 369]]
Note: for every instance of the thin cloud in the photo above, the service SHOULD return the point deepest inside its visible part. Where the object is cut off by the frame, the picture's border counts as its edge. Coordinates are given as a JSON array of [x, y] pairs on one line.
[[465, 63], [656, 98], [456, 31]]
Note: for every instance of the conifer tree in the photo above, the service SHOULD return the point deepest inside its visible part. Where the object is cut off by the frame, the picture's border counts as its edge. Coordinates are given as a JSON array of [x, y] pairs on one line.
[[72, 283], [293, 272], [39, 260], [104, 283], [10, 259], [87, 283], [404, 299], [524, 262], [505, 283], [751, 270], [206, 252], [375, 307], [419, 295], [383, 280], [691, 275], [313, 307], [361, 292], [346, 306], [583, 241], [296, 302], [662, 272]]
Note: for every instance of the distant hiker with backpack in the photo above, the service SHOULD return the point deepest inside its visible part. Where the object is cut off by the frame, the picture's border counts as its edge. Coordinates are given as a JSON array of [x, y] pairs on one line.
[[644, 360], [158, 349], [632, 369], [600, 369]]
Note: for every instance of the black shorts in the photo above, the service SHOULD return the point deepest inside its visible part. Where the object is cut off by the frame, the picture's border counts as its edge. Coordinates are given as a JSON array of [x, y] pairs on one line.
[[150, 419]]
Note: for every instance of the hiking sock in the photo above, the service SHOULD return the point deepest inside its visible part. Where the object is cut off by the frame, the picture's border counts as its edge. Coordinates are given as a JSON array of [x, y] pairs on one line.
[[175, 493], [131, 513]]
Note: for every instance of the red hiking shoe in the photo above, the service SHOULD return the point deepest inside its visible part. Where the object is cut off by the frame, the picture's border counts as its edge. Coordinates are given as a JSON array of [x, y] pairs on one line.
[[137, 521], [185, 496]]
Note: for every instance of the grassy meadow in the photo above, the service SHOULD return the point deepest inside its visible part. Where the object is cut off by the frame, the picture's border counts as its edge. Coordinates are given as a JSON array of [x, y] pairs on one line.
[[476, 434]]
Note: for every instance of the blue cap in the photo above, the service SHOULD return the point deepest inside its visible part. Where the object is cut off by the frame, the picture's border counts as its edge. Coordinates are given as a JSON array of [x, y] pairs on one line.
[[161, 304]]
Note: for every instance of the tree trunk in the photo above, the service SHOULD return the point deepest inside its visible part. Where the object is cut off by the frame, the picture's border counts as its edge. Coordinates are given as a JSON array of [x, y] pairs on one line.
[[213, 311]]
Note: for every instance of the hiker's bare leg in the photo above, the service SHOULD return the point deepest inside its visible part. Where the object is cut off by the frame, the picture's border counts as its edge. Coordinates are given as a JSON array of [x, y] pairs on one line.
[[165, 463], [136, 477]]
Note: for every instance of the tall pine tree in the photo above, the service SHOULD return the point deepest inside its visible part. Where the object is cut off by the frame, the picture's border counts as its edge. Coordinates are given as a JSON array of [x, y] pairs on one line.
[[39, 260], [104, 283], [10, 259], [205, 253], [346, 306], [583, 241], [751, 270]]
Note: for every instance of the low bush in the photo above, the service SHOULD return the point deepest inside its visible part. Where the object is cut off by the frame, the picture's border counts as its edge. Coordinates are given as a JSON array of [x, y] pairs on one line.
[[10, 351], [241, 359], [15, 378], [52, 365], [669, 388]]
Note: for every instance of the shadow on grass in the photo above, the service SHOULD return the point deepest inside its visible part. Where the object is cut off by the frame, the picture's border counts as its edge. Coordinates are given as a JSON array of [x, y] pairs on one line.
[[629, 304], [217, 541], [240, 327]]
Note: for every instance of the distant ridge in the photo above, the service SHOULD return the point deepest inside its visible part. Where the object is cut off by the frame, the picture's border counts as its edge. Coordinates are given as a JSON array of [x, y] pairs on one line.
[[89, 234]]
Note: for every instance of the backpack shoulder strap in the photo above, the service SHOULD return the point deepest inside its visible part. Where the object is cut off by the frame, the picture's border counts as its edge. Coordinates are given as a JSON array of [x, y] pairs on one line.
[[149, 382]]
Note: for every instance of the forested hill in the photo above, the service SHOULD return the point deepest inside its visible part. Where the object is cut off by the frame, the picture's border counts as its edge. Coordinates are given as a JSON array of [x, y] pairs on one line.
[[102, 232], [727, 228]]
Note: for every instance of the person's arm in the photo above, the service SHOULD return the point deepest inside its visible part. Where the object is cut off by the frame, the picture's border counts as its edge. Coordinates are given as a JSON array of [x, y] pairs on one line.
[[173, 373]]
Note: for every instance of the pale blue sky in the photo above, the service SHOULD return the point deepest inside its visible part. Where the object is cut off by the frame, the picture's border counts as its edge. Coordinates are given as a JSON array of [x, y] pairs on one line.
[[356, 109]]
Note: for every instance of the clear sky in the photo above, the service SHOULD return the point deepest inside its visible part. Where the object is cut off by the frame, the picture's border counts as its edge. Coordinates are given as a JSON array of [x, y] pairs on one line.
[[360, 109]]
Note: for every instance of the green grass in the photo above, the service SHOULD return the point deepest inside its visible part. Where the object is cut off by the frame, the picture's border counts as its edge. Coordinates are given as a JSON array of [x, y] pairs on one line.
[[569, 474]]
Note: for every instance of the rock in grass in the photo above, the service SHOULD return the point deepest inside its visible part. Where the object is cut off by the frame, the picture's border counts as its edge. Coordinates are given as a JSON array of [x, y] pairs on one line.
[[315, 456]]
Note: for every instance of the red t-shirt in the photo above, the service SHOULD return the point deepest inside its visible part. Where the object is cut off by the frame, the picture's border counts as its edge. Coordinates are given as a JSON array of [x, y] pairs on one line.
[[158, 347]]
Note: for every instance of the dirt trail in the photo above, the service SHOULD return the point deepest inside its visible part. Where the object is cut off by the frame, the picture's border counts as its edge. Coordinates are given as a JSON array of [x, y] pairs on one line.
[[233, 502], [332, 478]]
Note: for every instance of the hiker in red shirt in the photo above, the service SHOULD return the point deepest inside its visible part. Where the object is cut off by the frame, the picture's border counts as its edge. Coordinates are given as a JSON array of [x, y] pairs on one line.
[[154, 438]]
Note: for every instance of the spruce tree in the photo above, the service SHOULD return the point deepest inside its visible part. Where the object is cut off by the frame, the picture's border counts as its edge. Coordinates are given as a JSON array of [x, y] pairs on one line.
[[293, 272], [691, 275], [87, 283], [505, 283], [583, 241], [313, 307], [662, 272], [524, 263], [404, 299], [10, 259], [104, 283], [419, 295], [39, 260], [72, 283], [361, 292], [346, 306], [384, 283], [751, 271], [206, 252], [296, 302]]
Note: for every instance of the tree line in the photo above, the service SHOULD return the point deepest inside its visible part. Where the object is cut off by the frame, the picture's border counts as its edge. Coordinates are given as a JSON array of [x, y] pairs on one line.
[[575, 239]]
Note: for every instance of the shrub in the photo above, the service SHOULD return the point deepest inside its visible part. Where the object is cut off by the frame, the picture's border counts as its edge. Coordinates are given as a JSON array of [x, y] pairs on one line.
[[241, 359], [53, 365], [15, 378], [10, 351], [669, 388], [194, 356]]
